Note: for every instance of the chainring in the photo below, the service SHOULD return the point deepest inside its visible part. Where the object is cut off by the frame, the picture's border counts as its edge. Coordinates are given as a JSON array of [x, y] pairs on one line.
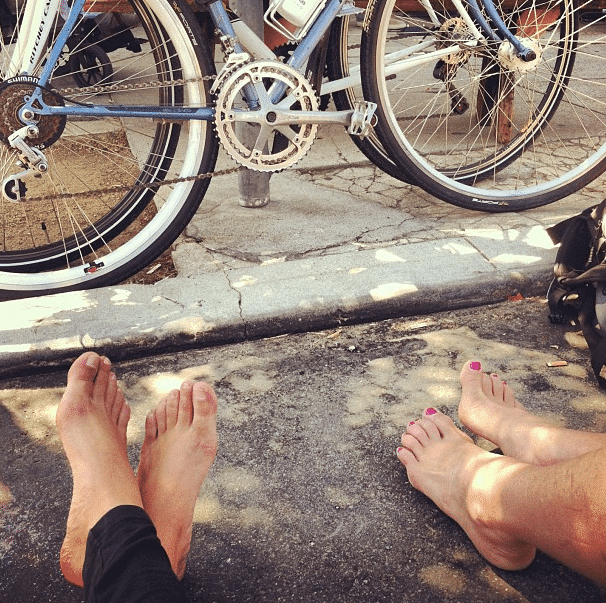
[[267, 146]]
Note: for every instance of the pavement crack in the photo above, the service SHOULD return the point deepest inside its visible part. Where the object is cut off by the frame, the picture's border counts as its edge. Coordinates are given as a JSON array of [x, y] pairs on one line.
[[240, 314], [174, 301], [225, 271]]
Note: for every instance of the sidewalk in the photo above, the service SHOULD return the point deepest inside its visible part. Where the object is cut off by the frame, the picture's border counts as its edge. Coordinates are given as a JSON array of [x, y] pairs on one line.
[[341, 242]]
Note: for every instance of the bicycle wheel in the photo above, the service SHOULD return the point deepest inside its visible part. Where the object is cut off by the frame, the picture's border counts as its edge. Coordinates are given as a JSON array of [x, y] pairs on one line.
[[343, 60], [90, 67], [473, 124], [118, 191]]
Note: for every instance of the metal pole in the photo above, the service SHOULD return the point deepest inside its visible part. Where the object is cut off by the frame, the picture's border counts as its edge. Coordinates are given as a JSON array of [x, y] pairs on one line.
[[253, 186]]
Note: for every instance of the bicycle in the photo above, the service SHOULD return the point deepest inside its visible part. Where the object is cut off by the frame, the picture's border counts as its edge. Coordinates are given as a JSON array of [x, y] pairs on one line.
[[489, 126], [77, 211]]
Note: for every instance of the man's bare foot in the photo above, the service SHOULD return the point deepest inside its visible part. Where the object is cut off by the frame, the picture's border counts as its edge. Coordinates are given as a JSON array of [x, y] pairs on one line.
[[489, 408], [463, 480], [179, 448], [91, 420]]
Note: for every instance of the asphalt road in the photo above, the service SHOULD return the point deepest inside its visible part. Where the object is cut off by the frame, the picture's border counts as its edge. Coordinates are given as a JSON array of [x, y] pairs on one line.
[[306, 500]]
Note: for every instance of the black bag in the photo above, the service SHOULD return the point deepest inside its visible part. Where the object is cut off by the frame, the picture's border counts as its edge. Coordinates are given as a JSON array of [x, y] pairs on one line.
[[578, 291]]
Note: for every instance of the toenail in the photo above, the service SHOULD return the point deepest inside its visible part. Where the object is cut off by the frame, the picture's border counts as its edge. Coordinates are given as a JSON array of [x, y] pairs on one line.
[[431, 411], [411, 423], [91, 361], [475, 366], [399, 450]]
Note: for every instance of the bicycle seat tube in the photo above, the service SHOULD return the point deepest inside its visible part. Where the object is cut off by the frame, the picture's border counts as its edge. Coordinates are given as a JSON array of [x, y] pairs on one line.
[[222, 22], [309, 43]]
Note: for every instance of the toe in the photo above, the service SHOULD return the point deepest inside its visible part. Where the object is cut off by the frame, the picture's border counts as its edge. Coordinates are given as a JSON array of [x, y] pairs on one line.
[[497, 387], [186, 407], [508, 396], [124, 416], [417, 431], [151, 426], [204, 401], [172, 409], [412, 446], [406, 457], [83, 371], [471, 376], [102, 381], [113, 400], [445, 427], [161, 419]]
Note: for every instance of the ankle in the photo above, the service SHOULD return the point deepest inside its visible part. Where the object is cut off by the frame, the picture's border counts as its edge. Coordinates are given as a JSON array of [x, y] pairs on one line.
[[485, 480]]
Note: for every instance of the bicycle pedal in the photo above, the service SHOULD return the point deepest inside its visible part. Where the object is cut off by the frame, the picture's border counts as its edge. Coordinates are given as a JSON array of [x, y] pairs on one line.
[[362, 118]]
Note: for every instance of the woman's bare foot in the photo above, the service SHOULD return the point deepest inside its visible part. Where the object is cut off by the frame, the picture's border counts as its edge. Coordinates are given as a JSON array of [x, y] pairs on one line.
[[179, 448], [464, 481], [489, 408], [91, 420]]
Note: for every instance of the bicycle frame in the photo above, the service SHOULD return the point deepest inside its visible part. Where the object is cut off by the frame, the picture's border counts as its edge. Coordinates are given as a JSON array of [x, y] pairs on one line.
[[45, 14], [223, 24]]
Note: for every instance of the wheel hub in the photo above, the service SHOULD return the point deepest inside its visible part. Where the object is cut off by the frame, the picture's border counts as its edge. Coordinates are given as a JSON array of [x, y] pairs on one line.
[[510, 60], [13, 95]]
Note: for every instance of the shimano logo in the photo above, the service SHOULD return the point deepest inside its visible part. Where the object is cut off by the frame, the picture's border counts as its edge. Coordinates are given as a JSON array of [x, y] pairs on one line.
[[28, 79]]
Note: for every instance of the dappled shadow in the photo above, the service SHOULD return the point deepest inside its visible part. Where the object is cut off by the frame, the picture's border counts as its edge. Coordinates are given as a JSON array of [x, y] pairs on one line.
[[306, 500]]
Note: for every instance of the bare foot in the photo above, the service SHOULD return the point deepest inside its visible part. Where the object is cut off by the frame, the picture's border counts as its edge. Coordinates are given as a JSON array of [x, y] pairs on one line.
[[489, 408], [461, 478], [179, 448], [91, 420]]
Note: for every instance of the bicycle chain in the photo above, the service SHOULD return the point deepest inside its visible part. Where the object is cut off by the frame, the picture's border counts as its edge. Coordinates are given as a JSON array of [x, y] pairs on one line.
[[65, 92], [109, 88], [106, 88]]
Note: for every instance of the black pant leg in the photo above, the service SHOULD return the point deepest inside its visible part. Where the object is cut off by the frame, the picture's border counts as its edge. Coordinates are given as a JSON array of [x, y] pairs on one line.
[[125, 562]]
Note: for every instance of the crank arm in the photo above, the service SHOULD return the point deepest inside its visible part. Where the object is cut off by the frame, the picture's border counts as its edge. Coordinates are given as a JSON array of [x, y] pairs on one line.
[[357, 120]]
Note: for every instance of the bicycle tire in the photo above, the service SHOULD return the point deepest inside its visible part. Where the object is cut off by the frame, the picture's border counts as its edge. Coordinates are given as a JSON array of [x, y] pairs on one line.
[[90, 67], [118, 191], [532, 133], [342, 58]]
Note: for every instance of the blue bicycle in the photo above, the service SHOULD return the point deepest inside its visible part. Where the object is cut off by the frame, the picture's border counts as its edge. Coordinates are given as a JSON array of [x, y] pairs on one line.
[[97, 181]]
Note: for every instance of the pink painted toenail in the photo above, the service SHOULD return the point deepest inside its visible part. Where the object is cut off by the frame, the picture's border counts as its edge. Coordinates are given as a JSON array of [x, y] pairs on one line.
[[411, 423], [399, 450], [475, 366], [431, 411]]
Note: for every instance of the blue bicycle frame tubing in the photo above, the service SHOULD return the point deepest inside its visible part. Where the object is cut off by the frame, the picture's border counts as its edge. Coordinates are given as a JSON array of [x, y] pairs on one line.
[[301, 53], [315, 34], [222, 22], [306, 46], [152, 111], [57, 48], [61, 41], [526, 54]]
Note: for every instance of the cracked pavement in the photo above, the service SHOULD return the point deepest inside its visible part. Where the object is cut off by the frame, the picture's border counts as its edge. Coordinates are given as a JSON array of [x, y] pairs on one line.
[[340, 242]]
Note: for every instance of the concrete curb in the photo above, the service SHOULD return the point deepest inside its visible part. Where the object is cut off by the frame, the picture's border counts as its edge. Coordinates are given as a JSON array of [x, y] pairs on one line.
[[129, 321]]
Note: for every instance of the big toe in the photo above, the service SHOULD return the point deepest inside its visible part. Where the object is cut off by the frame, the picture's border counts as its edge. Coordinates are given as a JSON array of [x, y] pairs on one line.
[[471, 376], [83, 371], [204, 401], [444, 425]]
